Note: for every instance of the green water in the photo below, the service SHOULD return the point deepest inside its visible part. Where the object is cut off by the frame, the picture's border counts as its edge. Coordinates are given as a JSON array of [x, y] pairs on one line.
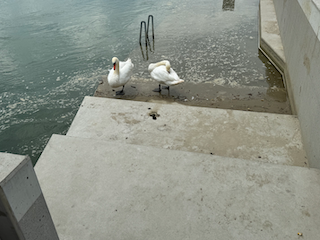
[[52, 54]]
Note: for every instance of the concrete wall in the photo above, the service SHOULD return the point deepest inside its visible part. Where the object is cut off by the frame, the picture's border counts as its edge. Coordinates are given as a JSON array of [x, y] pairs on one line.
[[299, 23], [23, 210]]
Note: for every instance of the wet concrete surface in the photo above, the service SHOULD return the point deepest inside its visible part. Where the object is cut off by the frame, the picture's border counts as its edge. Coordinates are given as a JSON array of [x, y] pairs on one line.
[[272, 99]]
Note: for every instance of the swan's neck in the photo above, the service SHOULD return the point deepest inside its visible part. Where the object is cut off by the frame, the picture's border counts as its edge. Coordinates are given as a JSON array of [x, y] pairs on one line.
[[165, 63], [116, 69]]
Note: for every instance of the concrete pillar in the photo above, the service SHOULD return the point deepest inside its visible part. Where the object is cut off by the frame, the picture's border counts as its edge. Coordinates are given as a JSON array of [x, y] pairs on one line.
[[23, 211]]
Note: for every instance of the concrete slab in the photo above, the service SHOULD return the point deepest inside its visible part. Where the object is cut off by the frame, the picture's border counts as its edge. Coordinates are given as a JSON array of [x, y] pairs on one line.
[[106, 190], [269, 35], [265, 137]]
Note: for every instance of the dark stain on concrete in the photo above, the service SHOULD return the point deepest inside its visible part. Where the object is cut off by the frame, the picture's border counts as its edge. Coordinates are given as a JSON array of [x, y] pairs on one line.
[[306, 63]]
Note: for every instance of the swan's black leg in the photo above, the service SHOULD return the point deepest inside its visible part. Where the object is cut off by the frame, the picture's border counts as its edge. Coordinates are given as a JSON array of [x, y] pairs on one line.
[[120, 92], [157, 89]]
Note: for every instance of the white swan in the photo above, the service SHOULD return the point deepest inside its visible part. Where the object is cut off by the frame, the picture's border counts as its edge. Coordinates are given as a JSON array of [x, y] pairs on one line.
[[164, 74], [120, 74]]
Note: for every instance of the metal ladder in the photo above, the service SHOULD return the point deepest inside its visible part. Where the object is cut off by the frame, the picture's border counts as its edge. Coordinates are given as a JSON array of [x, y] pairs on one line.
[[146, 37]]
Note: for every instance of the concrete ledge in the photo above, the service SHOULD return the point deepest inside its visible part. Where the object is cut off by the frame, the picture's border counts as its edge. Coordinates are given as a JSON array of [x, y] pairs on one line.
[[106, 190], [269, 35]]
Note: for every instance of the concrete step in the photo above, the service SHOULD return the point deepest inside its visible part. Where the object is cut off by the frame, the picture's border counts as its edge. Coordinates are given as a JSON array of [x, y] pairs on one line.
[[97, 189], [264, 137]]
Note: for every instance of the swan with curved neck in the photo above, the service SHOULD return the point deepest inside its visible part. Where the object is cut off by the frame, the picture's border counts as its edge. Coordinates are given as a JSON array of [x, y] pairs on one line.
[[120, 74], [164, 74]]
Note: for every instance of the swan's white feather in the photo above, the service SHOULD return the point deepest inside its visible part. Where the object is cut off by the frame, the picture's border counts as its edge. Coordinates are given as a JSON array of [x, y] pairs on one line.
[[164, 74], [120, 76]]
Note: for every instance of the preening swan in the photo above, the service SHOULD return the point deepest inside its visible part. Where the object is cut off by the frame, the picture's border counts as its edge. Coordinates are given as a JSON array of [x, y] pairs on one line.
[[164, 74], [120, 74]]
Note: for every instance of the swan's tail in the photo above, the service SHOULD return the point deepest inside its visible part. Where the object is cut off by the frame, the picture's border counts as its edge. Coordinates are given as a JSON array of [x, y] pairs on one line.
[[178, 82]]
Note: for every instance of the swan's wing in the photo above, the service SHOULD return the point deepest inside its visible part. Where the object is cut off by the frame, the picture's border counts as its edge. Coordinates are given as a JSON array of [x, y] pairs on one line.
[[127, 63], [163, 77], [152, 66], [126, 71], [160, 74], [126, 67], [122, 64], [174, 78], [173, 75]]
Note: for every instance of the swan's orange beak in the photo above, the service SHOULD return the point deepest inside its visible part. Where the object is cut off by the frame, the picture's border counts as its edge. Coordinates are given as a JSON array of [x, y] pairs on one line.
[[114, 66]]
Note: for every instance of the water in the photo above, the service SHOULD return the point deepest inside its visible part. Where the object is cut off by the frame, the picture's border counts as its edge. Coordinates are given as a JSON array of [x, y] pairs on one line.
[[52, 54]]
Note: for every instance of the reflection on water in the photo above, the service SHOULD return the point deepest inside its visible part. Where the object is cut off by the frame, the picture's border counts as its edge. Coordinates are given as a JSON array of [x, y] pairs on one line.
[[276, 88], [228, 5], [149, 47]]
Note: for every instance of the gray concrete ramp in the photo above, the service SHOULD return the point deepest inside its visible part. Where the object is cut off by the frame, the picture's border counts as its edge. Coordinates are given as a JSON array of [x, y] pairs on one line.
[[97, 189], [264, 137]]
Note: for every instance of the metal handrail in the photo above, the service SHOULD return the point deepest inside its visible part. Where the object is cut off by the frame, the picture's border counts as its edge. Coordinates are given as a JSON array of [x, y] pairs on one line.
[[146, 36], [150, 17], [145, 32]]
